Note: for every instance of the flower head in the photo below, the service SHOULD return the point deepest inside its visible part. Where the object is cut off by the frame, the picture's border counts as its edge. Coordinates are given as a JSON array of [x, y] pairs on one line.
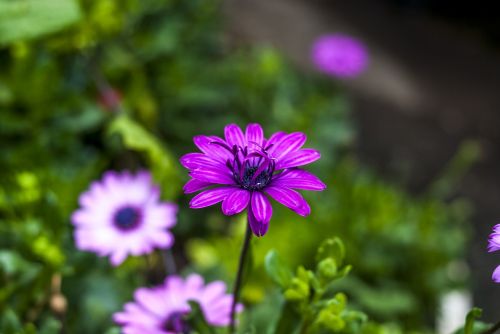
[[493, 246], [161, 310], [243, 169], [339, 55], [122, 214]]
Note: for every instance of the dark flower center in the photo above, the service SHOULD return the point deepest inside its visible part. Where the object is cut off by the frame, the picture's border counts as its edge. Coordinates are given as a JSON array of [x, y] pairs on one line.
[[250, 180], [175, 323], [127, 218], [251, 170]]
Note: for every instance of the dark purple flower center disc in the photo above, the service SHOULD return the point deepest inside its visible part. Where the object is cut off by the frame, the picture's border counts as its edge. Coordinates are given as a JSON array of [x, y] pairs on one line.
[[250, 181], [127, 218], [176, 323]]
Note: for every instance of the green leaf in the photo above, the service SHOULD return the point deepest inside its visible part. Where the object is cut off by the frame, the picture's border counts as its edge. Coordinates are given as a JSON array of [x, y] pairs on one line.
[[9, 323], [277, 270], [471, 325], [20, 20], [331, 248], [135, 137], [289, 320], [470, 319]]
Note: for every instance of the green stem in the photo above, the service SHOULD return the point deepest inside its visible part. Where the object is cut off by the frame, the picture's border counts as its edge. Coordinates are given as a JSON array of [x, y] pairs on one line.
[[239, 276]]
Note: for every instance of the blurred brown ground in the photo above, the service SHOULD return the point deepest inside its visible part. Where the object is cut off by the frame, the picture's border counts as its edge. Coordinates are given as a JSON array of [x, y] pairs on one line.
[[431, 85]]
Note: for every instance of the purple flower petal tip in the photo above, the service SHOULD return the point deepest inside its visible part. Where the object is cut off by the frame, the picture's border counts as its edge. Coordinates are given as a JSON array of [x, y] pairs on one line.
[[496, 275]]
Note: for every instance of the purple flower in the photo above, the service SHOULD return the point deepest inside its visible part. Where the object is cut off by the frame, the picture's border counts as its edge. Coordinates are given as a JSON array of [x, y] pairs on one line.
[[493, 246], [161, 310], [339, 55], [122, 214], [245, 168]]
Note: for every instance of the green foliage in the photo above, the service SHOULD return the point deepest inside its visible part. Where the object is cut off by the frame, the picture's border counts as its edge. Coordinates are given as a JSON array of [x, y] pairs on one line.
[[310, 305], [176, 77], [21, 20], [472, 326], [402, 247]]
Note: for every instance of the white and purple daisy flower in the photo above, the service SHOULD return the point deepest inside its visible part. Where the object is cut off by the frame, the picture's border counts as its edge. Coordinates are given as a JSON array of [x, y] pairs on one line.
[[121, 215], [493, 246], [243, 169], [162, 309], [339, 55]]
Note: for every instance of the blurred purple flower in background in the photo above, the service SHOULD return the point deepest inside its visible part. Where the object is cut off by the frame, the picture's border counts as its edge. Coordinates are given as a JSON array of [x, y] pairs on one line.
[[249, 166], [493, 246], [161, 310], [339, 55], [122, 214]]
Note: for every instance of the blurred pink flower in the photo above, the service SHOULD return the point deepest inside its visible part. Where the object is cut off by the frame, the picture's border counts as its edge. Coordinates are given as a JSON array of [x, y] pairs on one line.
[[339, 55], [161, 310], [121, 215]]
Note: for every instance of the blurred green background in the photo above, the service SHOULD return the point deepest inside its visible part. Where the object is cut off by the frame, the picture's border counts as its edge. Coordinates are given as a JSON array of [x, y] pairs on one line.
[[87, 86]]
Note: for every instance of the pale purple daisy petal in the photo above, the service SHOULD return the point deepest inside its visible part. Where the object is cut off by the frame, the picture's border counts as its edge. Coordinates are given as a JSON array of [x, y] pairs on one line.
[[493, 246], [210, 197], [299, 179], [161, 310], [289, 198], [496, 275], [122, 215], [246, 164], [236, 202]]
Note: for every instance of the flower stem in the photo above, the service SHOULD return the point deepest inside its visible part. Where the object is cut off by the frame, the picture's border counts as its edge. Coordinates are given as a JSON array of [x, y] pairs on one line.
[[493, 329], [239, 276], [169, 262]]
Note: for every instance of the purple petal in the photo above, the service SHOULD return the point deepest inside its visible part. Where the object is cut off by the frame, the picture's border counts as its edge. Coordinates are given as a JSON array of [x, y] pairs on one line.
[[234, 135], [274, 139], [254, 134], [494, 242], [259, 228], [208, 146], [289, 143], [298, 158], [299, 179], [197, 160], [236, 202], [290, 198], [210, 197], [212, 175], [496, 275], [261, 207], [194, 185]]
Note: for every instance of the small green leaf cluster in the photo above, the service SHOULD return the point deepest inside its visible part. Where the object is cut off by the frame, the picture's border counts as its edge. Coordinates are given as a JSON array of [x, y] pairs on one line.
[[310, 305]]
